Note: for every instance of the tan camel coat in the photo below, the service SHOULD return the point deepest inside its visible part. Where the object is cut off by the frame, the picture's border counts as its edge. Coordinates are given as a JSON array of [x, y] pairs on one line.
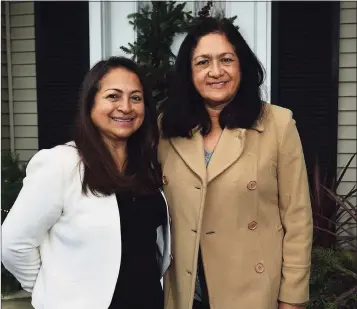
[[250, 210]]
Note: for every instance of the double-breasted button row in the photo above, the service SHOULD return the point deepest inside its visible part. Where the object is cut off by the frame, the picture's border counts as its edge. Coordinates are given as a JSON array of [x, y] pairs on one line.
[[259, 268], [252, 185], [252, 225]]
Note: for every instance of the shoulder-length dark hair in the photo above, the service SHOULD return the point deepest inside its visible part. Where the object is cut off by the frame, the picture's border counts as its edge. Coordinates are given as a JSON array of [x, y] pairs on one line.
[[184, 110], [101, 175]]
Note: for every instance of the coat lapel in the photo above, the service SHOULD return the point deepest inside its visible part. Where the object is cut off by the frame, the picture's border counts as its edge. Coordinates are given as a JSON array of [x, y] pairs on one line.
[[192, 153], [228, 151]]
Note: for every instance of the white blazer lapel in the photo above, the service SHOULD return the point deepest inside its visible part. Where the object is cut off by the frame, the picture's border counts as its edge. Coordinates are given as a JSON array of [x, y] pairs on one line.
[[164, 241]]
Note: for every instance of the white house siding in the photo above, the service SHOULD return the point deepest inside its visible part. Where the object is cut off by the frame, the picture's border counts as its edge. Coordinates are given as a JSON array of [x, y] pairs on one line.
[[5, 128], [22, 25], [347, 144]]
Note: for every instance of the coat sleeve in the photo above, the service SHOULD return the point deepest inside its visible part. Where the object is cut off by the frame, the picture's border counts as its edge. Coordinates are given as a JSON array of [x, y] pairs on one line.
[[37, 207], [296, 215]]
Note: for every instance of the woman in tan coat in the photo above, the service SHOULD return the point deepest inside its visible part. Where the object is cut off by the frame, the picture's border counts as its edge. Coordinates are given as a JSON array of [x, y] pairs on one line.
[[235, 179]]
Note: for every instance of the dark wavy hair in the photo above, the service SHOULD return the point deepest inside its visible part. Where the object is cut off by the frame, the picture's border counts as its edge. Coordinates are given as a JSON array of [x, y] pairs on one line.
[[184, 109], [101, 175]]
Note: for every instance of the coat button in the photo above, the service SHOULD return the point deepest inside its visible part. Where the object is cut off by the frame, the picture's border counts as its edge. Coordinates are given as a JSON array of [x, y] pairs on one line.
[[259, 268], [171, 257], [252, 185], [164, 180], [252, 225]]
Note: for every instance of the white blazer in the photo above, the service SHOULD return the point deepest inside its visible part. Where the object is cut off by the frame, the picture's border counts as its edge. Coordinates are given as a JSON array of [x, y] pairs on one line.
[[61, 245]]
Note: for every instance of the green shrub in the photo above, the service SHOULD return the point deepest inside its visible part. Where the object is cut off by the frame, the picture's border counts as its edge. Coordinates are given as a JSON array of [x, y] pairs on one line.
[[12, 175], [333, 283]]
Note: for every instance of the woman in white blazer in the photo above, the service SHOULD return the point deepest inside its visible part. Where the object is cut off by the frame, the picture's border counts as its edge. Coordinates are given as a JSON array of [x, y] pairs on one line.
[[90, 227]]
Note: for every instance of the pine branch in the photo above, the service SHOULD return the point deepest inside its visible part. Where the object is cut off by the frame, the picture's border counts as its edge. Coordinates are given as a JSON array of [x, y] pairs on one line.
[[346, 295]]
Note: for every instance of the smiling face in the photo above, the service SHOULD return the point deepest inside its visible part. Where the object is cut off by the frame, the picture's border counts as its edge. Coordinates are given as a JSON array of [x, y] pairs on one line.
[[215, 69], [118, 110]]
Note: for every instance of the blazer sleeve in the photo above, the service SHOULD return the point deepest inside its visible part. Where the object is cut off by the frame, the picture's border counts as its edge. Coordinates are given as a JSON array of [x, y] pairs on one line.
[[296, 215], [37, 207]]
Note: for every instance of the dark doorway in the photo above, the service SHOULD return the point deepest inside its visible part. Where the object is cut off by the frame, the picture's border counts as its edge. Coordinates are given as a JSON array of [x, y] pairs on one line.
[[305, 53], [62, 59]]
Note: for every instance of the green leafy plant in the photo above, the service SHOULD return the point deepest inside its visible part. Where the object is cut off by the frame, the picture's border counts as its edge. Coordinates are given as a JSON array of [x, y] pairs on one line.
[[12, 175], [335, 217], [156, 27], [333, 282]]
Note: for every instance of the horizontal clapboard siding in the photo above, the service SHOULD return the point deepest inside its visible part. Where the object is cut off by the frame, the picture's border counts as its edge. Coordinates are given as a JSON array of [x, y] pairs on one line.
[[347, 140], [22, 21], [5, 128], [347, 93]]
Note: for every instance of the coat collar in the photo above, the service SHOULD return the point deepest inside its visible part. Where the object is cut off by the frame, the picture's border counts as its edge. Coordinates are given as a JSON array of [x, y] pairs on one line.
[[192, 153], [258, 126], [228, 150]]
